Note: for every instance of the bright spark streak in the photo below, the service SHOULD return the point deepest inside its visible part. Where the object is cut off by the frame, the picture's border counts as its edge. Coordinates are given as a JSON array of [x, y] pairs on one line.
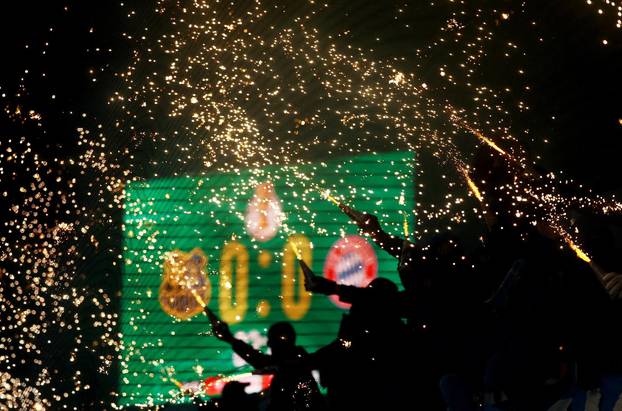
[[198, 298], [483, 138], [472, 186], [330, 198], [296, 250], [177, 383], [406, 231], [580, 253], [488, 141]]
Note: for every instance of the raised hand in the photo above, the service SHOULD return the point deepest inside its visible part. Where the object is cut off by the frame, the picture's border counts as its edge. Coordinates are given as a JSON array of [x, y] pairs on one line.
[[317, 284], [308, 273], [365, 221], [369, 224], [219, 328], [352, 213], [613, 284]]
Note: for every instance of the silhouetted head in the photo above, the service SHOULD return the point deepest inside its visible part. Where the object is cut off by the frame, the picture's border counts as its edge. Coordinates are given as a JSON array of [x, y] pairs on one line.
[[383, 286], [379, 301], [281, 337]]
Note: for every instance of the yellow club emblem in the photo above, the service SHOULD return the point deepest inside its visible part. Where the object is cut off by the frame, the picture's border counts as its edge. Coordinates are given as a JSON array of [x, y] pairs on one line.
[[184, 276]]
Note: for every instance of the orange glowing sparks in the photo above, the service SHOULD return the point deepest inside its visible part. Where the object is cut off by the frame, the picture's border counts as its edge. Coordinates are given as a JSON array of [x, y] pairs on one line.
[[177, 383], [406, 231], [198, 298], [580, 253], [488, 141], [296, 250], [479, 135], [224, 135], [330, 198], [474, 189], [472, 186]]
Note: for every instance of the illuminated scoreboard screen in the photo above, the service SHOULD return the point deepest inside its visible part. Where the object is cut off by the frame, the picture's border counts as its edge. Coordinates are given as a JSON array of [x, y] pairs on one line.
[[232, 239]]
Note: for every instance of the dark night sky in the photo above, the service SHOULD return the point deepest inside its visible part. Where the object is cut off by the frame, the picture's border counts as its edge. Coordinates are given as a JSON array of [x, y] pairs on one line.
[[574, 78]]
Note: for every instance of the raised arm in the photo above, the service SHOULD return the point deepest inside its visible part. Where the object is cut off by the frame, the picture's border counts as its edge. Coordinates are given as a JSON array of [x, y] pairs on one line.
[[320, 285], [369, 224], [221, 330], [254, 357]]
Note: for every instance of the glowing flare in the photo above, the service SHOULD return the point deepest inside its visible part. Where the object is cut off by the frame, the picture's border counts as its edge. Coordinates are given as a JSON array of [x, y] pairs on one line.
[[296, 250], [331, 198], [483, 138], [177, 383], [405, 225], [474, 189], [489, 142], [580, 253], [472, 185], [198, 298]]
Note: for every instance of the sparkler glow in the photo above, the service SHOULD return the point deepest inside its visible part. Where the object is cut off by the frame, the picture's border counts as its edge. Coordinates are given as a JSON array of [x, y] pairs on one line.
[[484, 139], [296, 250], [331, 198], [405, 226], [472, 186], [198, 297], [177, 383], [580, 253]]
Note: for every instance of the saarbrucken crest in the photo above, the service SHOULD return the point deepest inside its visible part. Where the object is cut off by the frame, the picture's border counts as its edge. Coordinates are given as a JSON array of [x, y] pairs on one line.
[[184, 278]]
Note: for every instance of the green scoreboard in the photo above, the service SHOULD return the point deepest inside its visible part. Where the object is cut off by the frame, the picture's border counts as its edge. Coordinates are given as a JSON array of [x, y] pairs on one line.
[[231, 241]]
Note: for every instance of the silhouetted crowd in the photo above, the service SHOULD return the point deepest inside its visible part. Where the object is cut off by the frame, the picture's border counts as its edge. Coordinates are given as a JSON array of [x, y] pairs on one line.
[[517, 323]]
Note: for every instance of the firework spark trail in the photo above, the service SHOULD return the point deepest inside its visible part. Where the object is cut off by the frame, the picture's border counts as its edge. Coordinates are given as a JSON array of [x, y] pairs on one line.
[[231, 88], [326, 194], [472, 186], [376, 97], [361, 89], [346, 79], [482, 137], [580, 253], [223, 80]]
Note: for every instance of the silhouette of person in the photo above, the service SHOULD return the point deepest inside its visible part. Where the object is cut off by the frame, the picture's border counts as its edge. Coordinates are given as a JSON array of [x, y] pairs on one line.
[[445, 290], [597, 299], [442, 302], [364, 367], [293, 387]]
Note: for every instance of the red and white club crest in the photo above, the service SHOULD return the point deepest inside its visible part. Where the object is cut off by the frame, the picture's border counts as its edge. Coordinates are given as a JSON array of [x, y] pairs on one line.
[[264, 213], [350, 261]]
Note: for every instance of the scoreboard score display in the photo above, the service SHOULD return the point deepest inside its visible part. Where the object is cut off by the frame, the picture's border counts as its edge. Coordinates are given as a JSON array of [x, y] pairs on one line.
[[232, 240]]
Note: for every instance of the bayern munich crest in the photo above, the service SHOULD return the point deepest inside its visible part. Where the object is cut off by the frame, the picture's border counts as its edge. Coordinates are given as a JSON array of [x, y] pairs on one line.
[[264, 213], [350, 261], [183, 279]]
